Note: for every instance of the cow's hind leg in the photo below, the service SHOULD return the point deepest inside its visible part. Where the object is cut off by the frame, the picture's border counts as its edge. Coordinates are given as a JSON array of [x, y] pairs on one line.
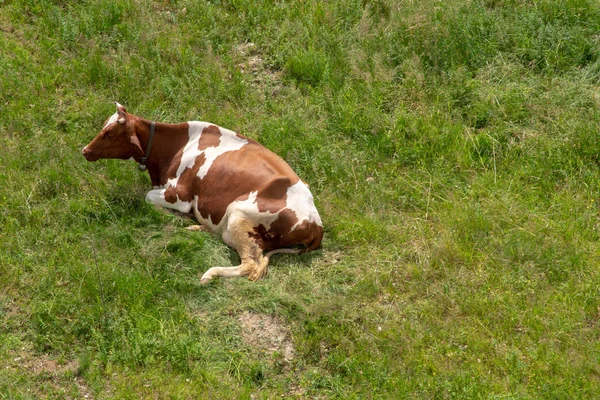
[[253, 263]]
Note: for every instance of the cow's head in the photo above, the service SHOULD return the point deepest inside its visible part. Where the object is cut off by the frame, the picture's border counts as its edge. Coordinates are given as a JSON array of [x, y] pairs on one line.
[[116, 140]]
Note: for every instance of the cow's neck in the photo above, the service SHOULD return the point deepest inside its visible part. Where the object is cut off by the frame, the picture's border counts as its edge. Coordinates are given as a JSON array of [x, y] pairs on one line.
[[168, 140]]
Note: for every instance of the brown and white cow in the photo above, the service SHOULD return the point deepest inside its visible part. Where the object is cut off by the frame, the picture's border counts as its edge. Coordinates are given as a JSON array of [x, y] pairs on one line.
[[234, 186]]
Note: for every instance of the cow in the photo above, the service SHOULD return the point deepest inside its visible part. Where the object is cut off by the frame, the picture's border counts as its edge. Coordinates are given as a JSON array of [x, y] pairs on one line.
[[233, 186]]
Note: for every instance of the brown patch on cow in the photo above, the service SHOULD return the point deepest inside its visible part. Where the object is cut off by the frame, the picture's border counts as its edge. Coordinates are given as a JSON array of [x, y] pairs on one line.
[[210, 137], [170, 195], [171, 172], [273, 196], [267, 334], [279, 235], [309, 234], [213, 200]]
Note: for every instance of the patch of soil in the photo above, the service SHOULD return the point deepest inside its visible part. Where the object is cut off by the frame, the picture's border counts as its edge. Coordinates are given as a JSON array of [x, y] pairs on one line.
[[252, 64], [267, 333], [44, 366]]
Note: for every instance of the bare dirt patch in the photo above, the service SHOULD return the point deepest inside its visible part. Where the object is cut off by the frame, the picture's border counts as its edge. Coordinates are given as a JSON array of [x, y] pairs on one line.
[[251, 63], [42, 367], [267, 333]]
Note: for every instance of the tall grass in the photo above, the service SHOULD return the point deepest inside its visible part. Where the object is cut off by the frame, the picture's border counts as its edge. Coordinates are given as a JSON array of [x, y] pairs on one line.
[[452, 148]]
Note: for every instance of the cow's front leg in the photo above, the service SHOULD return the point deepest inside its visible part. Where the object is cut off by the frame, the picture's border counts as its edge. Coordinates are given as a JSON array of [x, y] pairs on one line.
[[164, 198]]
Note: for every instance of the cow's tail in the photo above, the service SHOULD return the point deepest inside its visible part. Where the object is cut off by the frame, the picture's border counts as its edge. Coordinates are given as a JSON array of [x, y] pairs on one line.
[[313, 244], [264, 261], [279, 251]]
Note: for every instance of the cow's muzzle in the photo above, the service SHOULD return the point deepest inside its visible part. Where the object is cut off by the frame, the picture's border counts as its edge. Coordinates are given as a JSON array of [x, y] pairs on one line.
[[88, 154]]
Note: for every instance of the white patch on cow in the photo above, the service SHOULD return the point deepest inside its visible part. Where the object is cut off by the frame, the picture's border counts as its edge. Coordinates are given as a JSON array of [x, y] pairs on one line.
[[113, 118], [190, 151], [157, 197], [229, 142], [249, 208], [300, 201]]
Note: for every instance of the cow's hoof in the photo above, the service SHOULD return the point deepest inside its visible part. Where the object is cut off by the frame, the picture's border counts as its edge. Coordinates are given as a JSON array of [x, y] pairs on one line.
[[197, 228], [257, 274], [206, 278]]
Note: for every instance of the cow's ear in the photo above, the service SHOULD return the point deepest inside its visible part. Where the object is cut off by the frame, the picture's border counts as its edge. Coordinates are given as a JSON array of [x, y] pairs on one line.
[[121, 113], [136, 142], [120, 109]]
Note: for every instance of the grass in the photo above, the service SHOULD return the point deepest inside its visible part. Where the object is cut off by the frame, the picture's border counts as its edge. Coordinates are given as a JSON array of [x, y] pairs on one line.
[[453, 151]]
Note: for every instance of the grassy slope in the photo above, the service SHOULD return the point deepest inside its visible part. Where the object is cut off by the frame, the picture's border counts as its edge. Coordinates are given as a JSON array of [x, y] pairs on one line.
[[453, 151]]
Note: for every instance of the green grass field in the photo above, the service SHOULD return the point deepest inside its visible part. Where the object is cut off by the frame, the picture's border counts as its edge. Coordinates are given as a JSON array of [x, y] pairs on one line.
[[453, 149]]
